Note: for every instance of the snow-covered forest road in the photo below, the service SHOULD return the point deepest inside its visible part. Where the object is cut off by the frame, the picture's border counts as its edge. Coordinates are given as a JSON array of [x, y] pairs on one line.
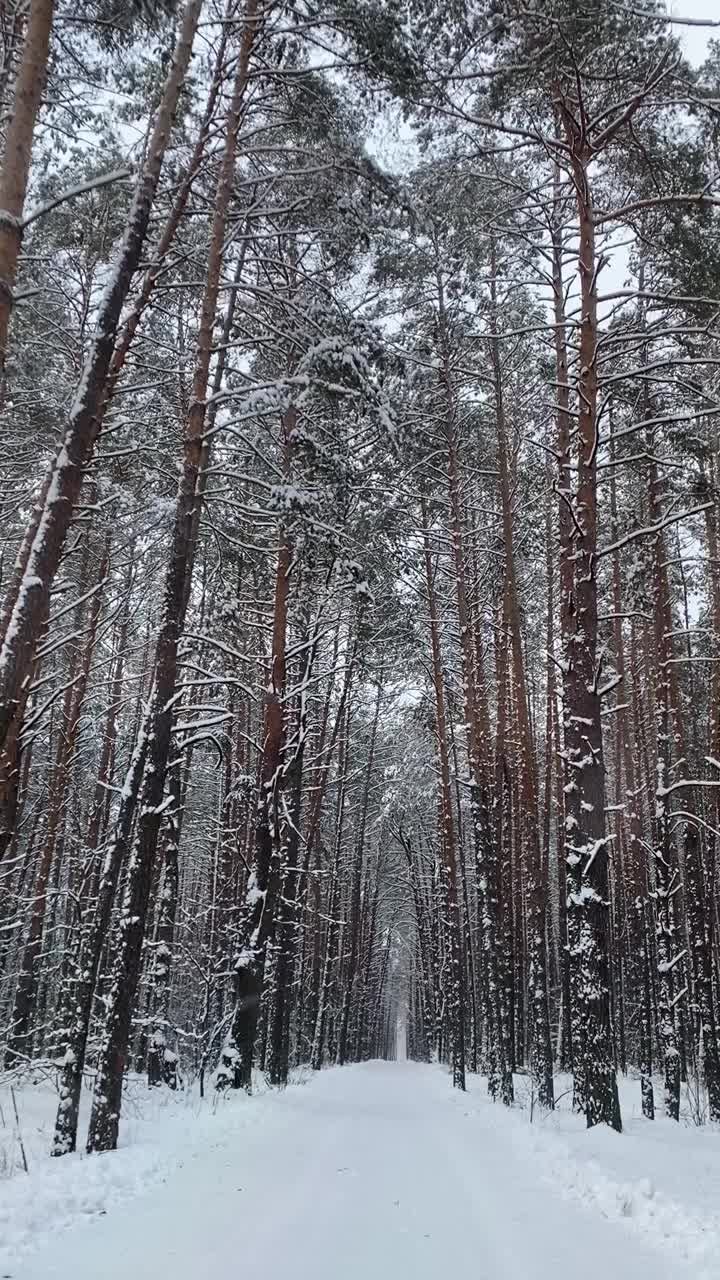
[[366, 1172]]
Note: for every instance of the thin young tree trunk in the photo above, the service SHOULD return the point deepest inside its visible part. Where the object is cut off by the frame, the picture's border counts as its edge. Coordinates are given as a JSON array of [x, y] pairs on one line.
[[92, 939], [531, 849], [503, 825], [565, 598], [713, 545], [162, 1060], [324, 750], [699, 893], [667, 745], [634, 866], [500, 1076], [646, 1013], [331, 957], [365, 1017], [425, 957], [470, 960], [288, 934], [447, 828], [356, 887], [27, 987], [99, 810]]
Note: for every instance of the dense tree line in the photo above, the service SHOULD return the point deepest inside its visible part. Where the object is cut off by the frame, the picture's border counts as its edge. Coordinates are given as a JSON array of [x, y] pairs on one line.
[[360, 571]]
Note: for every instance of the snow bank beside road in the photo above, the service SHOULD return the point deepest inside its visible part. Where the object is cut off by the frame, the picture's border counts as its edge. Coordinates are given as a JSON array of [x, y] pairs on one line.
[[689, 1232], [659, 1178], [160, 1132]]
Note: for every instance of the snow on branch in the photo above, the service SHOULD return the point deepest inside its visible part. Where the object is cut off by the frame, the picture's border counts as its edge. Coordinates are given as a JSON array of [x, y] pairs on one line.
[[648, 530], [82, 188]]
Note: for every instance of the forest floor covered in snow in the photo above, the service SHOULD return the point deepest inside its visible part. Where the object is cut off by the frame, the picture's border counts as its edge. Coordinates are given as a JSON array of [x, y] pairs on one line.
[[364, 1172]]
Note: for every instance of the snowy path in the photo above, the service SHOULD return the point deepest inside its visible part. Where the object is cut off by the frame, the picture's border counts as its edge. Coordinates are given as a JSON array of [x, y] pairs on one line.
[[365, 1173]]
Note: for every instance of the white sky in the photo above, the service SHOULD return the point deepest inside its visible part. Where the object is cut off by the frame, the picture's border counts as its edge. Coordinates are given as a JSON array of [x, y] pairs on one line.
[[695, 39]]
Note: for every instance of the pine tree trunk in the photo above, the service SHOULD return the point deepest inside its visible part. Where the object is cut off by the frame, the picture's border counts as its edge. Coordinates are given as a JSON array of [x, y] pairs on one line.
[[107, 1096], [288, 933], [63, 483], [331, 957], [162, 1059], [259, 907], [355, 906], [500, 1077], [667, 871], [699, 893], [529, 815], [15, 165], [26, 993], [587, 842], [78, 1000], [447, 825], [566, 577]]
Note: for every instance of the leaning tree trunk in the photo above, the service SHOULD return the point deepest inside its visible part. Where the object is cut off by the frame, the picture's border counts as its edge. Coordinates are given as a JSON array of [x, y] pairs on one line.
[[107, 1096], [9, 755], [40, 557]]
